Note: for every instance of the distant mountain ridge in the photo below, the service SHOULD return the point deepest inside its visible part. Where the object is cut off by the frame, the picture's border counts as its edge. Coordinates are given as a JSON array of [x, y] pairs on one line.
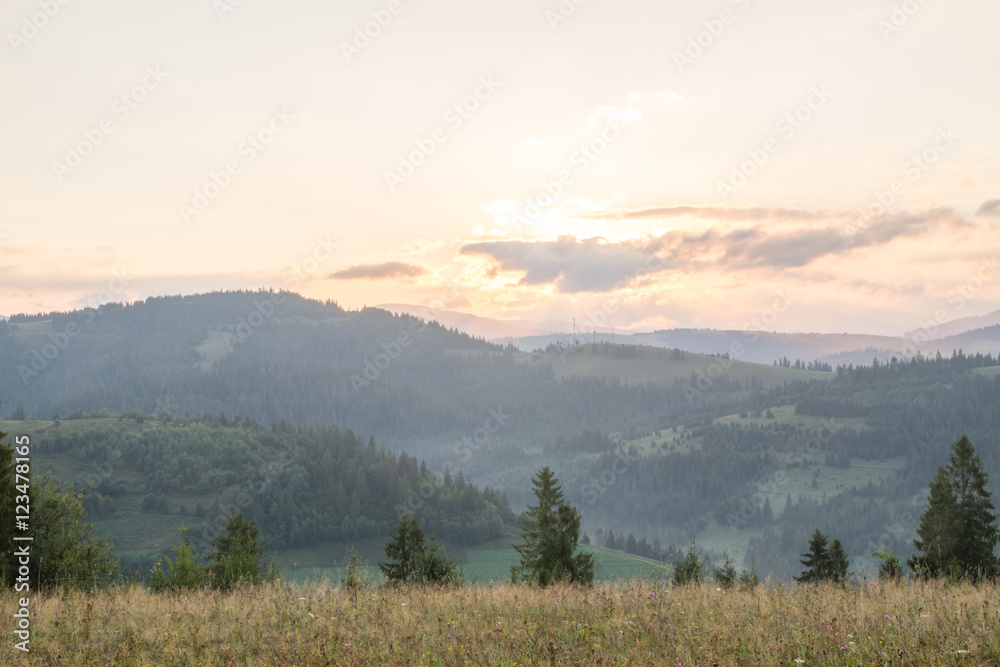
[[762, 347], [474, 325], [955, 327]]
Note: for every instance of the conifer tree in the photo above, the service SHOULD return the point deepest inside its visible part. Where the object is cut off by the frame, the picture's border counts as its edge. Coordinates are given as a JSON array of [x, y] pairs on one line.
[[405, 544], [837, 562], [238, 555], [414, 562], [958, 531], [551, 533], [183, 572], [816, 560]]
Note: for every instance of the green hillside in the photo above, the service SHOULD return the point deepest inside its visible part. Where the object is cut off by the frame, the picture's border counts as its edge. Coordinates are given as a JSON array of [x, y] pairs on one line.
[[639, 364]]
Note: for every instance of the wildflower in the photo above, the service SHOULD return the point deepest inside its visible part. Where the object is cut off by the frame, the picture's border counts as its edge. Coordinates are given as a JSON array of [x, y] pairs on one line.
[[800, 660], [885, 616], [652, 595]]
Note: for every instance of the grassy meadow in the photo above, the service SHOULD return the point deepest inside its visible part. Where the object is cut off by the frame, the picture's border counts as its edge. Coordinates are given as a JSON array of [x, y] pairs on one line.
[[631, 623]]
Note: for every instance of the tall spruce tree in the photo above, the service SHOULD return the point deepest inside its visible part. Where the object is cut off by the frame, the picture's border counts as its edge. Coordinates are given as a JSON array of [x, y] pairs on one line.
[[816, 560], [412, 561], [837, 562], [551, 533], [958, 531], [403, 549]]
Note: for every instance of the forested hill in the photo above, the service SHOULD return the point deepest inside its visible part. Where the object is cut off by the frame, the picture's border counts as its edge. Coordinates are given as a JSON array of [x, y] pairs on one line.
[[144, 477], [266, 355], [278, 357]]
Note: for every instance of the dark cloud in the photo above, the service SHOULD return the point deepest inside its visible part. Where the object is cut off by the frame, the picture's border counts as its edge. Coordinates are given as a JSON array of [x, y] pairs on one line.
[[755, 248], [990, 209], [595, 265], [572, 265], [379, 271]]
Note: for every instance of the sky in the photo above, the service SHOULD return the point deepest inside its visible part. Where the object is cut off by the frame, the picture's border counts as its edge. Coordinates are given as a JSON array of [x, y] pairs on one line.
[[640, 164]]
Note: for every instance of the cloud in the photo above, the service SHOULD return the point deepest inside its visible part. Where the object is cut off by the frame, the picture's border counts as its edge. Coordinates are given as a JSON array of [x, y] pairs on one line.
[[719, 213], [989, 209], [379, 271], [754, 247], [574, 265]]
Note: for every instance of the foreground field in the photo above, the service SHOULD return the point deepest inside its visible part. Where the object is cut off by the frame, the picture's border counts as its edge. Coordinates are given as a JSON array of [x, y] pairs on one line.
[[625, 624]]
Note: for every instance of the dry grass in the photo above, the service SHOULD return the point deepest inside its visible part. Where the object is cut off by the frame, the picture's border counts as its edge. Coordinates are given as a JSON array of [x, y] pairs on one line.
[[624, 624]]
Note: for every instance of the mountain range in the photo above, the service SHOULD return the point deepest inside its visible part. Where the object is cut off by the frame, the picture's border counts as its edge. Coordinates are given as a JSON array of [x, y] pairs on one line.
[[978, 334]]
